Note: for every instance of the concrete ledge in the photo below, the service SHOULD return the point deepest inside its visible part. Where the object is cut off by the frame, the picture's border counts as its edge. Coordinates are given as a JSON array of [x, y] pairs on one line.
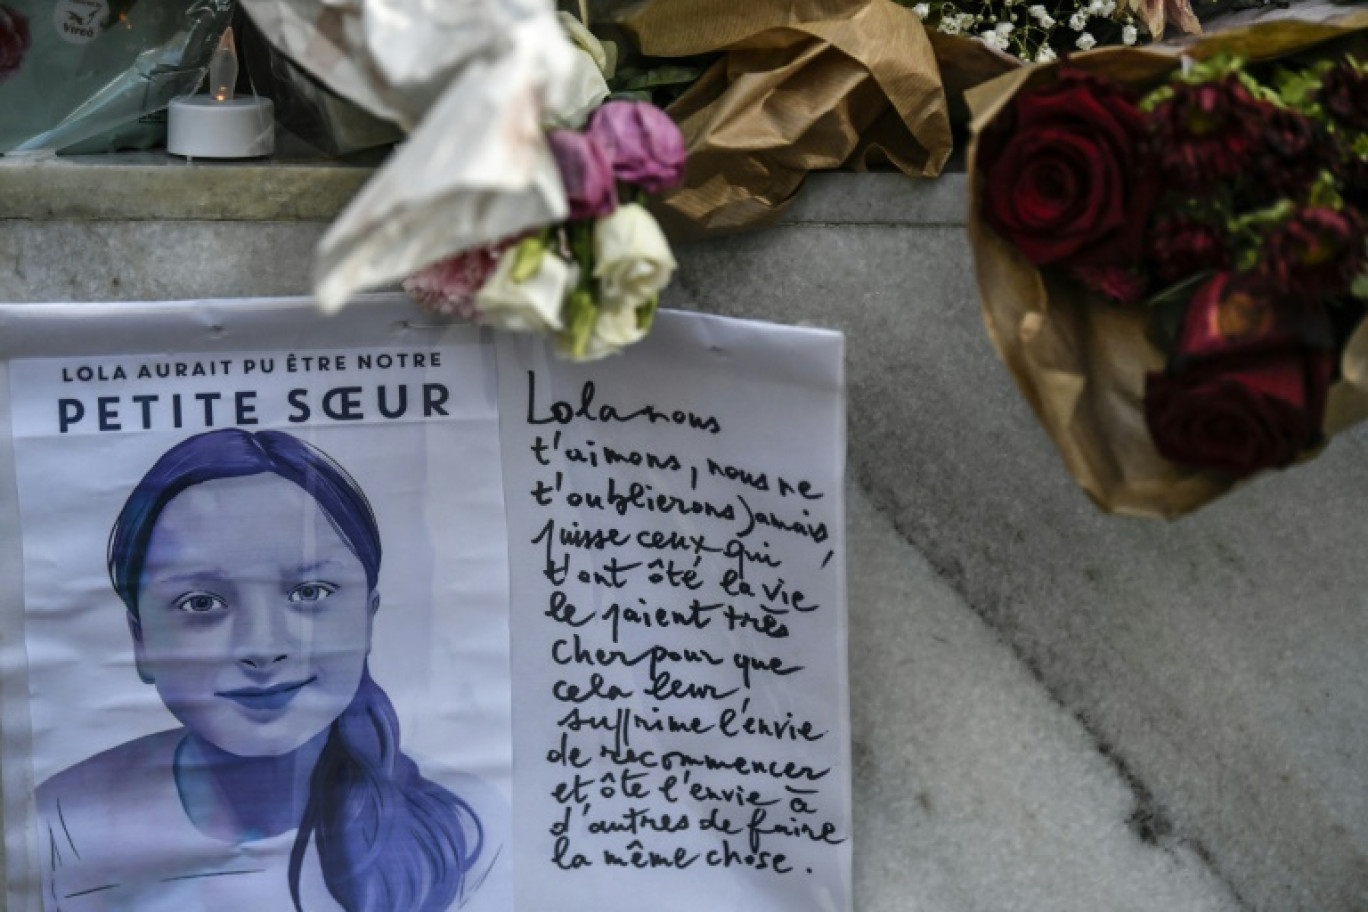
[[141, 186], [154, 186]]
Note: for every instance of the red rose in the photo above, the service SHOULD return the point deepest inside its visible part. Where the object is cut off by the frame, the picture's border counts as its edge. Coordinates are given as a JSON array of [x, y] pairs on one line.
[[1064, 178], [1181, 246], [14, 41], [1204, 134], [1291, 150], [1122, 286], [1314, 254], [1245, 389], [1344, 93]]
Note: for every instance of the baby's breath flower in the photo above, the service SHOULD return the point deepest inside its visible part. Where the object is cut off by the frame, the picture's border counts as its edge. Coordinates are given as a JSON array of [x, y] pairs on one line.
[[994, 38], [949, 25], [922, 10], [1004, 28], [1085, 41], [1079, 21], [1129, 34], [1045, 54]]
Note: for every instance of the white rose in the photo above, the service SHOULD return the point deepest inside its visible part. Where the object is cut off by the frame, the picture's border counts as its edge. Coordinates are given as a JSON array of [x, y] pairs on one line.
[[584, 88], [613, 331], [530, 305], [632, 259]]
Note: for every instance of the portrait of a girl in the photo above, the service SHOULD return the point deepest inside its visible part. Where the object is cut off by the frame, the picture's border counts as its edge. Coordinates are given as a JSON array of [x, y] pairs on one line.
[[249, 565]]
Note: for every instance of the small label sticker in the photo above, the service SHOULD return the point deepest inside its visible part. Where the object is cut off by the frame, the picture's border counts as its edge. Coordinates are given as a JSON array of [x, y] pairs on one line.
[[80, 21]]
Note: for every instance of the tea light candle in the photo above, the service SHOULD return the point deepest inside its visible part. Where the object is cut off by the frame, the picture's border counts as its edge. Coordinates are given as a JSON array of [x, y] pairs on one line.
[[218, 125]]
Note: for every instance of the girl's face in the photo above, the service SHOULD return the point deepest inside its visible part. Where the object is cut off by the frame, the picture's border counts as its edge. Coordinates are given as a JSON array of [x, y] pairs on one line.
[[254, 616]]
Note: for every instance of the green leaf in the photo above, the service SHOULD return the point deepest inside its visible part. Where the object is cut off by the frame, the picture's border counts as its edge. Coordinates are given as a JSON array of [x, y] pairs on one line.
[[527, 260], [645, 314], [580, 314], [1360, 287], [669, 75]]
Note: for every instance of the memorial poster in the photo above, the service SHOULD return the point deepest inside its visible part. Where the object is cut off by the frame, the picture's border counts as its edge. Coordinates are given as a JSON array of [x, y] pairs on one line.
[[376, 614]]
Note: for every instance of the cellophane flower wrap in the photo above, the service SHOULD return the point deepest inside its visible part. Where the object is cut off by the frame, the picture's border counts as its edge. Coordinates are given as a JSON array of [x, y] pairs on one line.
[[1170, 253]]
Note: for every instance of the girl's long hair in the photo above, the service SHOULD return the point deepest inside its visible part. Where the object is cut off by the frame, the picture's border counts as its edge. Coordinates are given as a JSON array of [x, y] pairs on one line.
[[388, 840]]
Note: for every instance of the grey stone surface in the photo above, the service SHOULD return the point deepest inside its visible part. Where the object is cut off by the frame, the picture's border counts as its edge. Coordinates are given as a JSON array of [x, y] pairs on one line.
[[1218, 660], [973, 789], [153, 260], [1054, 709], [153, 185]]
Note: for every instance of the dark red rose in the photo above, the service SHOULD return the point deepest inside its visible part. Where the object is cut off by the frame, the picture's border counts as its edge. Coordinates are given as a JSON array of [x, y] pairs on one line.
[[1247, 385], [1314, 254], [14, 41], [1352, 172], [1181, 246], [1292, 150], [1064, 178], [1205, 133], [1122, 286], [1344, 94]]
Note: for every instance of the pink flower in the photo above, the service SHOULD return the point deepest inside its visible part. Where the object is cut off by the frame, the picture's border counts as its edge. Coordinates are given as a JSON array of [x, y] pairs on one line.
[[449, 286], [642, 142], [14, 41], [586, 173]]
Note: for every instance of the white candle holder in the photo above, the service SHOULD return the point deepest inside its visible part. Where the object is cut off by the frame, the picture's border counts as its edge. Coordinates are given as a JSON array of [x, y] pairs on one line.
[[202, 126], [218, 125]]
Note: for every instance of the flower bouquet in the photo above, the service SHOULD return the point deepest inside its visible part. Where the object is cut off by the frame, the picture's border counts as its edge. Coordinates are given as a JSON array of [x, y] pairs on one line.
[[1171, 255], [594, 280]]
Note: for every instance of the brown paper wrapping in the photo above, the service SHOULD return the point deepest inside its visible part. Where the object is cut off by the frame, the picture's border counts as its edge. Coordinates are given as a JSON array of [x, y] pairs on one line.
[[1081, 362], [802, 85], [966, 62]]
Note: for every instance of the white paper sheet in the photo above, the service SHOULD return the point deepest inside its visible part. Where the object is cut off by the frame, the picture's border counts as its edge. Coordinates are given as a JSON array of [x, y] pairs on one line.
[[747, 423], [675, 522]]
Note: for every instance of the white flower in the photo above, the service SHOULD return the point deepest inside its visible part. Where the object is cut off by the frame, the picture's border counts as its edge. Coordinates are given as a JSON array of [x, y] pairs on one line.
[[1045, 54], [1004, 28], [613, 330], [632, 259], [922, 10], [603, 54], [949, 25], [1085, 41], [532, 304], [584, 87], [1079, 21], [994, 38], [1041, 15], [1102, 9], [1128, 34]]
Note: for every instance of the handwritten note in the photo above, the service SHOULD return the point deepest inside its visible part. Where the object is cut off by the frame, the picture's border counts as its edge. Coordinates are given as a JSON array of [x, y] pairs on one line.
[[675, 519]]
